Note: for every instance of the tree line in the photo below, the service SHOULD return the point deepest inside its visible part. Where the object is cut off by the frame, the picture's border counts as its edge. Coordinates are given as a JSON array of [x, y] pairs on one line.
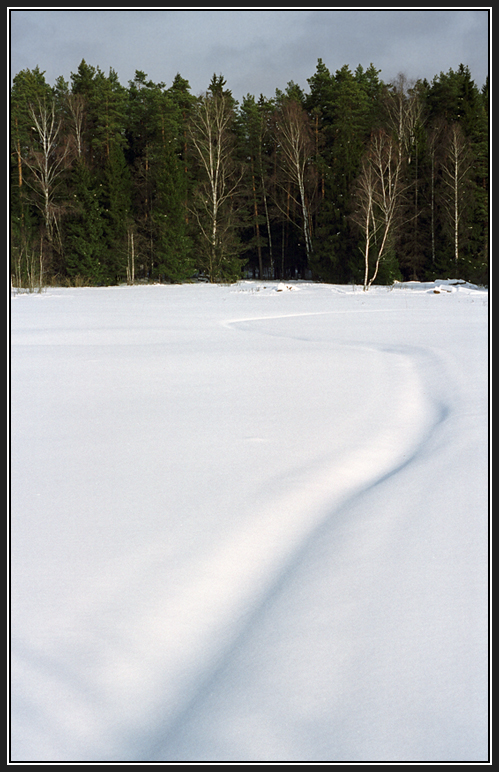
[[353, 180]]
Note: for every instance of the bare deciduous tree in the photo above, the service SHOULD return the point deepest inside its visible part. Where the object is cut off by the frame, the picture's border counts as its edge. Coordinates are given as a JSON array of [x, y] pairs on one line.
[[212, 138], [296, 147], [76, 107], [456, 168], [404, 111], [378, 194], [47, 162]]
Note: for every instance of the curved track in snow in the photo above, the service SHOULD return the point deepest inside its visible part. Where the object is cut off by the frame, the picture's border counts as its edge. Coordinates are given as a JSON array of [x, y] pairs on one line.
[[249, 570]]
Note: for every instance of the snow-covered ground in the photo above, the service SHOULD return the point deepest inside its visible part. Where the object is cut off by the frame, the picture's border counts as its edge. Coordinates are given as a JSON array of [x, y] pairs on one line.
[[250, 523]]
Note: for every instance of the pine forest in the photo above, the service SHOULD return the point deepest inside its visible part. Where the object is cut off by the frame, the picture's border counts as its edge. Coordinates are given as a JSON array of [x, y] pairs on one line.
[[352, 181]]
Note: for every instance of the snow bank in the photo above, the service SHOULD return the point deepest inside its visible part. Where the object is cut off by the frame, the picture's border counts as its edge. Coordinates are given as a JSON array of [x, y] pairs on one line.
[[249, 524]]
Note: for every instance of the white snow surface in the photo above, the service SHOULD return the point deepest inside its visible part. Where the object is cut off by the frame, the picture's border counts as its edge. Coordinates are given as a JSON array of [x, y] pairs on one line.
[[250, 523]]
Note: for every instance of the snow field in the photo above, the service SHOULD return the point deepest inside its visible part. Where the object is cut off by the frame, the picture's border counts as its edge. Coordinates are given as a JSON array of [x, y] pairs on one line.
[[249, 523]]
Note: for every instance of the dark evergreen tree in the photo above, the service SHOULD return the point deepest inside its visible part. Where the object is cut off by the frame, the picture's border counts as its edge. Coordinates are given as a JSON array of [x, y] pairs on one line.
[[156, 135], [255, 144], [85, 248], [173, 250], [116, 202], [345, 105], [326, 258], [183, 103]]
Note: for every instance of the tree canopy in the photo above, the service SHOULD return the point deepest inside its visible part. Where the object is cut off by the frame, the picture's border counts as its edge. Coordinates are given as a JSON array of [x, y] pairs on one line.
[[106, 176]]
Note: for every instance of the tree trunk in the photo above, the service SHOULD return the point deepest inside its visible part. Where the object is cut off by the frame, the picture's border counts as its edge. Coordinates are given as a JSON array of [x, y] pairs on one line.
[[257, 224], [456, 168]]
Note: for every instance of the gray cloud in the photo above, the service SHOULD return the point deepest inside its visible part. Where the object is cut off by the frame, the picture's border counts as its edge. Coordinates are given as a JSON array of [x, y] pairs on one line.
[[256, 51]]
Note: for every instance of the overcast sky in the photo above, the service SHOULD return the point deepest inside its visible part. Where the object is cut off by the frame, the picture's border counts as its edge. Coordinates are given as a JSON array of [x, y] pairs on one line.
[[255, 50]]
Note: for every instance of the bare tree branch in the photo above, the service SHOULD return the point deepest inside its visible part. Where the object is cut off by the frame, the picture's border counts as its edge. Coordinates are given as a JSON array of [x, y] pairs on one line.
[[48, 162], [212, 139], [379, 195], [296, 147]]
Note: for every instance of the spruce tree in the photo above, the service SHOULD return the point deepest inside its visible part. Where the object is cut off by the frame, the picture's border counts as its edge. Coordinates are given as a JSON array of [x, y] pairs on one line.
[[346, 105], [85, 248], [116, 202], [173, 250]]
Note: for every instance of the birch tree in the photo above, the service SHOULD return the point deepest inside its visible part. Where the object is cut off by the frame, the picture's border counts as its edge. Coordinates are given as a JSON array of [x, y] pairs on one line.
[[47, 160], [379, 195], [76, 109], [404, 113], [456, 168], [212, 140], [296, 147]]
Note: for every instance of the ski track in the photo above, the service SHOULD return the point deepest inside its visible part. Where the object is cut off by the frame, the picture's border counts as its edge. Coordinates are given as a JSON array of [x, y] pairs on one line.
[[291, 523], [232, 583]]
